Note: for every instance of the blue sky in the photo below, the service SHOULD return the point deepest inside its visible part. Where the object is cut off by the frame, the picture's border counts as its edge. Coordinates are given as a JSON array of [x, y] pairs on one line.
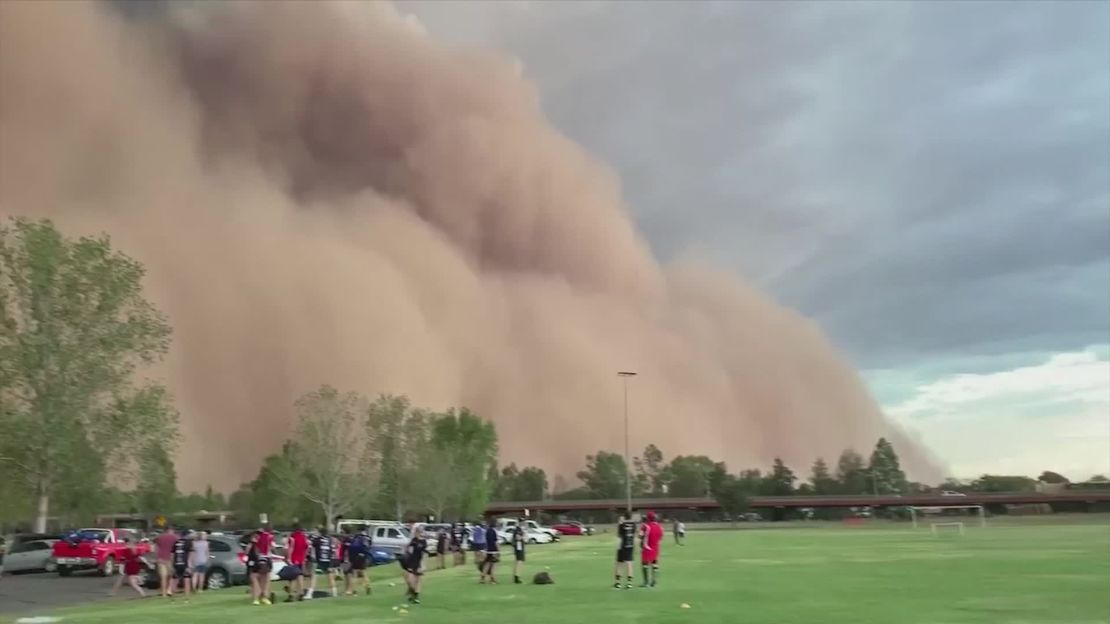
[[928, 181]]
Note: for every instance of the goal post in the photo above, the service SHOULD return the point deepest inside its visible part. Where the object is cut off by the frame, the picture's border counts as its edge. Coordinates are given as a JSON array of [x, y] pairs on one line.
[[943, 513]]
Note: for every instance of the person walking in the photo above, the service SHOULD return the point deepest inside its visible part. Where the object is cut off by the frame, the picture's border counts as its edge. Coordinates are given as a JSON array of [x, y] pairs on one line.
[[132, 566], [200, 560], [493, 554], [163, 547]]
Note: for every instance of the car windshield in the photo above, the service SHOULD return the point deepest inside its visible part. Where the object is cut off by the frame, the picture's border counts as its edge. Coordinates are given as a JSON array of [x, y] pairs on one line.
[[99, 535]]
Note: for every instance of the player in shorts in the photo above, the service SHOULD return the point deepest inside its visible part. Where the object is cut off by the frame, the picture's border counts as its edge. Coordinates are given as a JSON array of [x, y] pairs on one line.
[[651, 538], [413, 564], [323, 558], [182, 564], [458, 542], [296, 548], [626, 542], [518, 551], [262, 542], [357, 552], [493, 554]]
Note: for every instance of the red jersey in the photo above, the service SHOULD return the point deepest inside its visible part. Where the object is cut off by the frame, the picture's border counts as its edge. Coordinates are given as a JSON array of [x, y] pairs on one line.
[[298, 548], [132, 565], [265, 542], [652, 536]]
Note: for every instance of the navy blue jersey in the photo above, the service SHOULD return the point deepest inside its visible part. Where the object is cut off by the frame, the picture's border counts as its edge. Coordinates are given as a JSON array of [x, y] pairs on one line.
[[492, 540], [322, 548], [182, 548], [627, 533]]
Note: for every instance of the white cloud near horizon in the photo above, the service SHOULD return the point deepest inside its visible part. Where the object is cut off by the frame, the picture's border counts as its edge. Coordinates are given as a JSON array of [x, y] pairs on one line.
[[1054, 415]]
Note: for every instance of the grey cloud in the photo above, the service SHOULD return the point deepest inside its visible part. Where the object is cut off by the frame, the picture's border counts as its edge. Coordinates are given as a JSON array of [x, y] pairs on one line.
[[922, 179]]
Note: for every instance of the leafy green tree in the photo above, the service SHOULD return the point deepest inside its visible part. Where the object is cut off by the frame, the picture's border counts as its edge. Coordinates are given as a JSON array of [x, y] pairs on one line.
[[692, 476], [467, 444], [820, 478], [733, 495], [850, 473], [156, 492], [74, 330], [1098, 479], [528, 484], [327, 461], [1052, 477], [653, 474], [1003, 483], [780, 481], [885, 469], [604, 475]]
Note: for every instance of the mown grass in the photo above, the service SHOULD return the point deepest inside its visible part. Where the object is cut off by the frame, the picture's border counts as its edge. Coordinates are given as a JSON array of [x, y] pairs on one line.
[[1002, 574]]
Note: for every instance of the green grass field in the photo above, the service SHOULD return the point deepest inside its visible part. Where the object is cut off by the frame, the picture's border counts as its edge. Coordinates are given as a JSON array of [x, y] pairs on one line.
[[1004, 574]]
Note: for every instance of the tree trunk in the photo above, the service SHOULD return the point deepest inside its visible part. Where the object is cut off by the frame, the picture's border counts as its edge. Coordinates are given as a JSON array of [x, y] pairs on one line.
[[43, 508]]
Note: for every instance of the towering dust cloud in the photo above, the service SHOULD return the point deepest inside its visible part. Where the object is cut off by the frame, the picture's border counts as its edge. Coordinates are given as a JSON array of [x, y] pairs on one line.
[[324, 194]]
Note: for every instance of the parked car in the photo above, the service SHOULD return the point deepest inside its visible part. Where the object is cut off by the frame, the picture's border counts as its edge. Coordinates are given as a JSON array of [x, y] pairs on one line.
[[573, 528], [390, 538], [227, 564], [952, 493], [507, 524], [97, 549], [30, 556]]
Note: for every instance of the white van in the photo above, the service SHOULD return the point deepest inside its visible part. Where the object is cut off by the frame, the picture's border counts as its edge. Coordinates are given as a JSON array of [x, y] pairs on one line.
[[388, 535]]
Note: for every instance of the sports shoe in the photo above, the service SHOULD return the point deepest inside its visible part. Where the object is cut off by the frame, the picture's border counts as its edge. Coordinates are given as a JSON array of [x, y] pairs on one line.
[[628, 586], [266, 601], [616, 585], [256, 603]]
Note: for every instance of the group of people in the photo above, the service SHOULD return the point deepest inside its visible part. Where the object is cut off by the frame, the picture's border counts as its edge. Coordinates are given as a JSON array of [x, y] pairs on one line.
[[182, 560], [650, 535]]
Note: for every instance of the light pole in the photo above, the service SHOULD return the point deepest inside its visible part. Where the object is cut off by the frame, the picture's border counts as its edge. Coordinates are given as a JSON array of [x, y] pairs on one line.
[[624, 375]]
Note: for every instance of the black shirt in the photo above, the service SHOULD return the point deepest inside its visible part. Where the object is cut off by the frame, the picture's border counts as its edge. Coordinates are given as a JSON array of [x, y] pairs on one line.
[[458, 535], [182, 548], [491, 540], [322, 548], [441, 542], [415, 551], [627, 533], [518, 539]]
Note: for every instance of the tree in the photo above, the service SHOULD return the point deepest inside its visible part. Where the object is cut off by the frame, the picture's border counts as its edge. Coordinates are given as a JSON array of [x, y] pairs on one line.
[[605, 475], [514, 484], [1052, 477], [327, 461], [820, 478], [780, 481], [74, 329], [1003, 483], [156, 492], [885, 470], [1098, 479], [850, 473], [732, 494], [692, 476], [467, 445], [653, 475]]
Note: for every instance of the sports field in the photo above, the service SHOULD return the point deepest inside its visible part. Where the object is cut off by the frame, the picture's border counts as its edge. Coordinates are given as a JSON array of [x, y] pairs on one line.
[[1058, 574]]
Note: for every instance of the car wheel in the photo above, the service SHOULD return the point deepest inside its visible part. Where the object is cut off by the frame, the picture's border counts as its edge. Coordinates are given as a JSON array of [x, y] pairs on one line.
[[50, 566], [109, 567], [217, 579], [64, 571]]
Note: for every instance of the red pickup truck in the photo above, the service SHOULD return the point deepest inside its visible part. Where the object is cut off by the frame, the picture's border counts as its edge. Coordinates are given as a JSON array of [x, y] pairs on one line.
[[87, 549]]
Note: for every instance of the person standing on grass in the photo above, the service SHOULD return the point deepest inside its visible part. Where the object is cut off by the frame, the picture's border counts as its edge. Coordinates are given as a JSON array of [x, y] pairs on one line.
[[441, 549], [200, 560], [413, 564], [679, 532], [493, 554], [132, 566], [518, 551], [263, 544], [163, 547], [357, 551], [458, 542], [651, 538], [297, 548], [478, 544], [323, 555], [626, 542], [182, 564]]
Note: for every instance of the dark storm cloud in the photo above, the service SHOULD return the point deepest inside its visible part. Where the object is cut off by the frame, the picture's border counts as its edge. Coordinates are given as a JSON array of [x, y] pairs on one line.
[[923, 179]]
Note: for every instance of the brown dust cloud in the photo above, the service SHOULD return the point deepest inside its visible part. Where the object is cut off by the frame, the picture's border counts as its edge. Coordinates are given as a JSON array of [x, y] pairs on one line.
[[323, 193]]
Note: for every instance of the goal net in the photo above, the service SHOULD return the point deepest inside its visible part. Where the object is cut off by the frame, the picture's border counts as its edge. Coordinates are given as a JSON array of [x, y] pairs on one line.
[[948, 517]]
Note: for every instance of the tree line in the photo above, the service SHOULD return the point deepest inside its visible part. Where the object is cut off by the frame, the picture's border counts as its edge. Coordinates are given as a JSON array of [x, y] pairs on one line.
[[84, 431]]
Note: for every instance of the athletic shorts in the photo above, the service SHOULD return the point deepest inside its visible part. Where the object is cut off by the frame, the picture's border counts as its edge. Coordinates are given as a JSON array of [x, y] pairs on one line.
[[200, 568], [323, 567], [356, 564], [624, 555], [519, 554], [181, 571], [493, 557], [261, 566], [648, 557]]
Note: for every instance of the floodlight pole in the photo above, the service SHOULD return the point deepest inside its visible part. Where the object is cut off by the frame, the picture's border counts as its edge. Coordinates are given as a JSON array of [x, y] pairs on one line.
[[624, 375]]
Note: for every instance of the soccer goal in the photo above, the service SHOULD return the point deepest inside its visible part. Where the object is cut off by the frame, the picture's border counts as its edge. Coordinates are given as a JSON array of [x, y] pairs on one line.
[[948, 516]]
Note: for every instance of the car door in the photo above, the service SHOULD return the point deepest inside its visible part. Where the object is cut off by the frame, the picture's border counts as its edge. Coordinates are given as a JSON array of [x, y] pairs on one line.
[[27, 556]]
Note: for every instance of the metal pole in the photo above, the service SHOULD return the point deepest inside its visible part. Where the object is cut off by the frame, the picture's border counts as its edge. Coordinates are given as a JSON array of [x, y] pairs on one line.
[[627, 456]]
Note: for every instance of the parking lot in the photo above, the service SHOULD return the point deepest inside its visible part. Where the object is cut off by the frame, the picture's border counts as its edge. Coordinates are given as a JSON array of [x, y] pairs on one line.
[[27, 594]]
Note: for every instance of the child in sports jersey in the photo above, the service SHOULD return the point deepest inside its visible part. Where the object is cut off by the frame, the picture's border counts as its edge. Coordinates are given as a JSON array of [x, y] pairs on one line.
[[626, 541], [413, 564]]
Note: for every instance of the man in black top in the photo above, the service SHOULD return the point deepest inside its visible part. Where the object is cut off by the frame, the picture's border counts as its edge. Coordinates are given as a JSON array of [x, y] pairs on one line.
[[182, 556], [323, 559], [413, 564], [626, 534], [441, 549], [458, 542], [518, 550], [493, 553]]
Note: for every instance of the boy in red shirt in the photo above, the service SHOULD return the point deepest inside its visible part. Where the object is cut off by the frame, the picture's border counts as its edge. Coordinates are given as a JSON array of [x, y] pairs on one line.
[[297, 547], [651, 536]]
